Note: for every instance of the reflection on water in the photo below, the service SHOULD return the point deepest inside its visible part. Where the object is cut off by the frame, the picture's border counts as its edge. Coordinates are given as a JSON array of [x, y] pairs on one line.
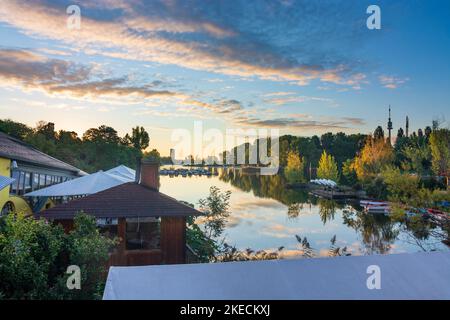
[[266, 215]]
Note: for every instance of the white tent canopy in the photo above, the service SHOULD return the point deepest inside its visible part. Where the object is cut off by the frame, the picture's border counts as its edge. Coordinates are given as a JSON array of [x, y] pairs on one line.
[[403, 276], [123, 171], [86, 185], [324, 182], [5, 181]]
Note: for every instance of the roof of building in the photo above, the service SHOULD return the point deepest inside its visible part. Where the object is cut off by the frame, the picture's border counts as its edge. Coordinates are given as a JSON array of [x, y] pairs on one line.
[[15, 149], [124, 201], [402, 276], [85, 185]]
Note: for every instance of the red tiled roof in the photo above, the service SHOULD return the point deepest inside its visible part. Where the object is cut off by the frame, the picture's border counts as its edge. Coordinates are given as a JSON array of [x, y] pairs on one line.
[[15, 149], [124, 201]]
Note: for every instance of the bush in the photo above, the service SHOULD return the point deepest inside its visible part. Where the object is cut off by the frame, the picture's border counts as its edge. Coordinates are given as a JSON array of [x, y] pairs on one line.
[[34, 256]]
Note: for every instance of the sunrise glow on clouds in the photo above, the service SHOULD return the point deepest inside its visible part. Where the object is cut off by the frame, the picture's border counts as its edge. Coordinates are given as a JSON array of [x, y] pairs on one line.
[[304, 67]]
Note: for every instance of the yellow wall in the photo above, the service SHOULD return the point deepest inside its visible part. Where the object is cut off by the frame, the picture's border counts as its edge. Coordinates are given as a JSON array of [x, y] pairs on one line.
[[4, 171], [19, 203]]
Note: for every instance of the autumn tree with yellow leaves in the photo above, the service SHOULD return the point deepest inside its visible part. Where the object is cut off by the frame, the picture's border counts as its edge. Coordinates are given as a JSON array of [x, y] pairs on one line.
[[328, 168], [376, 155]]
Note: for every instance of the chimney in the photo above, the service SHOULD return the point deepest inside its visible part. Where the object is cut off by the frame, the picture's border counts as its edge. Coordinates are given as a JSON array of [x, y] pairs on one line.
[[149, 171]]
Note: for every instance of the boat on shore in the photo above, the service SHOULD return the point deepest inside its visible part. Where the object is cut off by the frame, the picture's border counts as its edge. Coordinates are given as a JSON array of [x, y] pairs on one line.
[[375, 207]]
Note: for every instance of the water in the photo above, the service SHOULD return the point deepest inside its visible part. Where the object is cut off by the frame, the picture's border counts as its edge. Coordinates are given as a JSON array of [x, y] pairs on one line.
[[265, 215]]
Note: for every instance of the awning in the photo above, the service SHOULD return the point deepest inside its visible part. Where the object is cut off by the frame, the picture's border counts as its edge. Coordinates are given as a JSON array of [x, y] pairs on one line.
[[87, 185], [402, 276], [5, 181], [123, 171]]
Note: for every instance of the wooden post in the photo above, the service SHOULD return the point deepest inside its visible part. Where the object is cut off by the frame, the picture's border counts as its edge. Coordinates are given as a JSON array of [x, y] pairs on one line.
[[122, 234]]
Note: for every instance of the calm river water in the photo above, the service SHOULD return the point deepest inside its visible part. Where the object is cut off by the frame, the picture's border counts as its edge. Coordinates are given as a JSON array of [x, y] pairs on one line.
[[265, 215]]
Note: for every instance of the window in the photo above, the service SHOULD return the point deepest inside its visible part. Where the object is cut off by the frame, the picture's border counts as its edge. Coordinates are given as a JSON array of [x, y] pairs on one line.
[[108, 227], [143, 233], [26, 181]]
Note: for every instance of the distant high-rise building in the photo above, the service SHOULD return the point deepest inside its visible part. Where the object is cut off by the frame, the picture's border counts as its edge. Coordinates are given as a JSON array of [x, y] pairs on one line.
[[407, 126], [389, 126], [172, 154]]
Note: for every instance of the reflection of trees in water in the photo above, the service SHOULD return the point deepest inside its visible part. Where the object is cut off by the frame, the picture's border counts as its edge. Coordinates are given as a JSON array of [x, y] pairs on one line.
[[378, 232], [327, 209], [273, 186], [423, 233]]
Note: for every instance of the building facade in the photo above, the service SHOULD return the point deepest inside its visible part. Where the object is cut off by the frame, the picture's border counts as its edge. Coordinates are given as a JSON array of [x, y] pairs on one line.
[[31, 170]]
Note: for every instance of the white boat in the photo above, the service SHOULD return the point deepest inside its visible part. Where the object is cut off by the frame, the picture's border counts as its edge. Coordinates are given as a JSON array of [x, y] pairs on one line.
[[383, 209], [366, 203]]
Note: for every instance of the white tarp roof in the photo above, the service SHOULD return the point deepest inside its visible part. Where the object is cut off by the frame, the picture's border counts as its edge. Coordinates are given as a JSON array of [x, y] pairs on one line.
[[5, 181], [89, 184], [403, 276], [324, 182], [123, 171]]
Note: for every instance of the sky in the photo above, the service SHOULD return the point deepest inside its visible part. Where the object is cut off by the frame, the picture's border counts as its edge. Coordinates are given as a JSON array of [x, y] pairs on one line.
[[303, 67]]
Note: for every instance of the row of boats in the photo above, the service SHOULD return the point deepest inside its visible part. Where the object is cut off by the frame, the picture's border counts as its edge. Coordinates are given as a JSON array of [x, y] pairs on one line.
[[383, 207], [187, 172]]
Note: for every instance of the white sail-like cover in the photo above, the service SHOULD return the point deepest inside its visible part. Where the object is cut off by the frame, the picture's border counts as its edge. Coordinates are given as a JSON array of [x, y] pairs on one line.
[[402, 276], [86, 185], [5, 181], [123, 171], [324, 182]]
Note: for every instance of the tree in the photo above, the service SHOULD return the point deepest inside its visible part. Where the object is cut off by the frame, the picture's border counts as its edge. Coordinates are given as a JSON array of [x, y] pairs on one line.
[[216, 209], [327, 168], [101, 134], [294, 170], [349, 176], [139, 138], [420, 133], [15, 129], [378, 133], [440, 151], [154, 155], [34, 257], [400, 133], [375, 155], [205, 241], [401, 187], [417, 158], [428, 131], [47, 129]]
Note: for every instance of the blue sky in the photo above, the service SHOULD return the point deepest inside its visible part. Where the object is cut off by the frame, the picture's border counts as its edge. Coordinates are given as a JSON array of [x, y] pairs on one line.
[[305, 67]]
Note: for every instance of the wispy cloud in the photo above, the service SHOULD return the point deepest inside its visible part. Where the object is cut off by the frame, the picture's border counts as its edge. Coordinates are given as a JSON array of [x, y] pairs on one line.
[[194, 36], [281, 100], [54, 76], [392, 82]]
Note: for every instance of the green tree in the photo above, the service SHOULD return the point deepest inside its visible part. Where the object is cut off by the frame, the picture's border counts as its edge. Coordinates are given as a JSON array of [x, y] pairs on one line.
[[378, 133], [101, 134], [139, 138], [154, 155], [47, 129], [216, 209], [204, 237], [34, 256], [294, 170], [349, 176], [440, 151], [15, 129], [327, 168]]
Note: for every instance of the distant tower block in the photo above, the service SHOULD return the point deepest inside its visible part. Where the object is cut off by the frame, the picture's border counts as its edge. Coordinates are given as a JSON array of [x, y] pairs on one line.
[[389, 126], [172, 154], [407, 126]]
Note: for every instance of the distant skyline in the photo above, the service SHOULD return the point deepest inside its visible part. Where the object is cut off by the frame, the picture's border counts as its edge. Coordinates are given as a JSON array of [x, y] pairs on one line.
[[304, 67]]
